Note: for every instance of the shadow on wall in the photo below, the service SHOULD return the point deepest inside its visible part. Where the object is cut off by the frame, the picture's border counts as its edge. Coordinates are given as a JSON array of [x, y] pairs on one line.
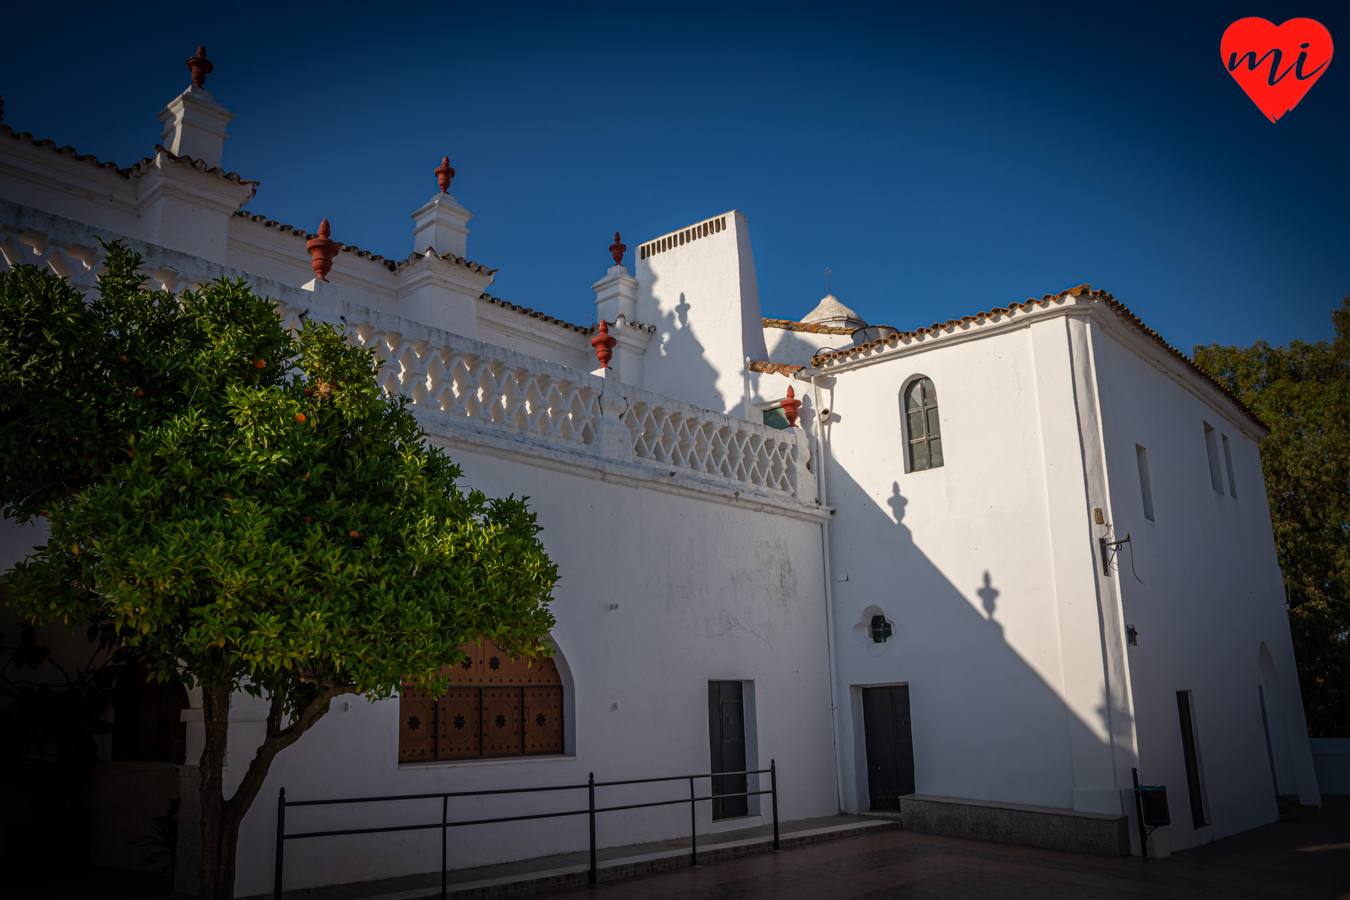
[[1006, 734], [683, 368]]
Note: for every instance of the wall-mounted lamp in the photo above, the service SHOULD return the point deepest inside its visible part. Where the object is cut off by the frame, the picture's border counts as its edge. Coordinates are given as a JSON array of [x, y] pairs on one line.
[[1132, 635], [881, 630], [1110, 549]]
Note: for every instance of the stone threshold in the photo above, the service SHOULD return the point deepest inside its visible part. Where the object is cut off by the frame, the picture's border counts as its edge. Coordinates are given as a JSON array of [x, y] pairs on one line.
[[545, 875]]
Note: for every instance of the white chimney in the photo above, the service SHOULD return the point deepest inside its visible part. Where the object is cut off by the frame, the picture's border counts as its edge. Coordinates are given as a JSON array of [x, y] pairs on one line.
[[194, 123], [441, 223]]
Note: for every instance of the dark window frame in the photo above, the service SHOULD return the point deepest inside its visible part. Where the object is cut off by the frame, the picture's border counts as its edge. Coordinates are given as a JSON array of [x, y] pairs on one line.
[[1190, 751], [921, 448]]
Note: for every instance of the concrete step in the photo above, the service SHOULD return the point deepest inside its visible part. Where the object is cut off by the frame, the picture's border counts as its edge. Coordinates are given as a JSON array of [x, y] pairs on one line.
[[547, 874]]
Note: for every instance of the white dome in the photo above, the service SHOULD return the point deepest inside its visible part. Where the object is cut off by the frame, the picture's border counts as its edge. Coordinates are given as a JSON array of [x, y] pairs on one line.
[[835, 314]]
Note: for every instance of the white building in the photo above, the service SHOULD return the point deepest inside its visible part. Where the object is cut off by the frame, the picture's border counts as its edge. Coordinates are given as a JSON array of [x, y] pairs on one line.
[[963, 488]]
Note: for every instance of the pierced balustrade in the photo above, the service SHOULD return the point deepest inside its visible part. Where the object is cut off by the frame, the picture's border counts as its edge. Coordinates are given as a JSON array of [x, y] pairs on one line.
[[508, 390], [711, 444]]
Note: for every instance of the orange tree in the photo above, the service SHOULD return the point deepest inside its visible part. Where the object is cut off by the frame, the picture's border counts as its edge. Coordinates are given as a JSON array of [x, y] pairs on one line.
[[247, 510]]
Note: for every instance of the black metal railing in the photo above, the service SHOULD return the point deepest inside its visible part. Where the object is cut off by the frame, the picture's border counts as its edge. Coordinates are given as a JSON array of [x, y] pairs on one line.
[[590, 812]]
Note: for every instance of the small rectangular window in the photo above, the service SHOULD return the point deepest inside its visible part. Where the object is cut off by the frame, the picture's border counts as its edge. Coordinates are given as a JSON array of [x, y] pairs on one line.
[[1194, 775], [774, 417], [1228, 464], [1145, 486], [1212, 448]]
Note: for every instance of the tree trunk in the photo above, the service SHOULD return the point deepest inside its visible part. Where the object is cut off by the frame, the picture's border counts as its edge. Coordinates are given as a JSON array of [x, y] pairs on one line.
[[220, 817], [216, 884]]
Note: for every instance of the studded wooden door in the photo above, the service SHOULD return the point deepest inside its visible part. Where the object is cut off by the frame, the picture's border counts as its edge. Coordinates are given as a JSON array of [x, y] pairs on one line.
[[495, 706], [416, 726], [469, 670], [543, 719], [501, 722], [726, 732], [459, 724], [498, 668], [890, 745]]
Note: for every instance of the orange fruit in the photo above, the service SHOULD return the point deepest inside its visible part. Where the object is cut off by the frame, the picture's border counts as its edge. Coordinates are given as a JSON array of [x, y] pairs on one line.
[[300, 417], [354, 535], [259, 363], [307, 519]]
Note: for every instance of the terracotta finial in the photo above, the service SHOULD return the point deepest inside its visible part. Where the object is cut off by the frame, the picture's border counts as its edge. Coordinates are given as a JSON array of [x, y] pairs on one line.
[[444, 173], [604, 343], [200, 66], [790, 407], [616, 250], [323, 250]]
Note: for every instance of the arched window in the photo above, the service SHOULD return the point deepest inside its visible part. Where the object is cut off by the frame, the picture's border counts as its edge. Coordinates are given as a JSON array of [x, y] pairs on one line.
[[496, 706], [924, 433]]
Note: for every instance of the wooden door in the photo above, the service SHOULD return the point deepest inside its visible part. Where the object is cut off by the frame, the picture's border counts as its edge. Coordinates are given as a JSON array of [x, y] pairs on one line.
[[890, 745], [726, 729], [459, 719], [501, 722], [543, 719], [416, 725]]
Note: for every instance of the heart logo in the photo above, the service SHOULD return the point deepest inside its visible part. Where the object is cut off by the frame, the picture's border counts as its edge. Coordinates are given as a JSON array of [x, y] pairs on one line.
[[1276, 65]]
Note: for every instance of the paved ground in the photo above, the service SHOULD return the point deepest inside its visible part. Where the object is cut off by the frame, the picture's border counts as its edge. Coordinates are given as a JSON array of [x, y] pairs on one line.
[[366, 889], [1281, 860], [1284, 860]]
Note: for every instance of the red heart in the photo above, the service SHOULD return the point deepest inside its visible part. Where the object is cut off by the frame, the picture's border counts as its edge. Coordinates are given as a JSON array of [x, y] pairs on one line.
[[1276, 65]]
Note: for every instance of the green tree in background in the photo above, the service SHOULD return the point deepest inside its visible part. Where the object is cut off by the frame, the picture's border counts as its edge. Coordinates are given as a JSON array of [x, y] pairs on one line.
[[1302, 393], [247, 510]]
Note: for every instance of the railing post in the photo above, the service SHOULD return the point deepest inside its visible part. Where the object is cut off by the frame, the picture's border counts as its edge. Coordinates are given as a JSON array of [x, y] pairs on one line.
[[693, 827], [591, 790], [281, 843], [1139, 811], [773, 785], [445, 806]]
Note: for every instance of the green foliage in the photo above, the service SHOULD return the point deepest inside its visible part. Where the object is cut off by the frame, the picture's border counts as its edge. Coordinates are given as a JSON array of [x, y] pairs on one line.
[[267, 517], [244, 510], [1302, 393], [78, 380], [162, 840]]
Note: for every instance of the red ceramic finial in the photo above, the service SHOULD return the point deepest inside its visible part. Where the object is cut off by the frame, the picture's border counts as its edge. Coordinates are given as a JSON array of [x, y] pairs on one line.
[[200, 66], [616, 250], [790, 407], [444, 173], [604, 343], [323, 250]]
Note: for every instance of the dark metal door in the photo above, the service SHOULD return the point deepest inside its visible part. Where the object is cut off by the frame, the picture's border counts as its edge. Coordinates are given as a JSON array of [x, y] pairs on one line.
[[726, 730], [890, 745]]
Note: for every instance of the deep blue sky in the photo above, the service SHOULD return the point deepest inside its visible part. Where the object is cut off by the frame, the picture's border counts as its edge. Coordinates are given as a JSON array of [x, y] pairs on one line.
[[940, 162]]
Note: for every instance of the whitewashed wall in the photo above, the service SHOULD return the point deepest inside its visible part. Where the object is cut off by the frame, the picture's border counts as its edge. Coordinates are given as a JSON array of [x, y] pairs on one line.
[[786, 345], [959, 559], [706, 590], [1211, 595]]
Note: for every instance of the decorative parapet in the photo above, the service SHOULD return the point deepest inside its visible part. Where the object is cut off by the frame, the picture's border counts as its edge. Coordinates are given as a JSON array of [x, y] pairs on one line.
[[478, 394], [716, 446], [504, 392]]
